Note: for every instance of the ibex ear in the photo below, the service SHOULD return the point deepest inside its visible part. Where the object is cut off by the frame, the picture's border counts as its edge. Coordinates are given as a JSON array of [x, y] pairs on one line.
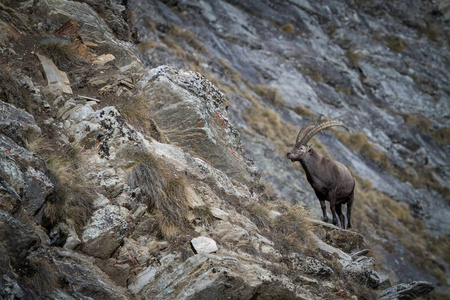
[[309, 148]]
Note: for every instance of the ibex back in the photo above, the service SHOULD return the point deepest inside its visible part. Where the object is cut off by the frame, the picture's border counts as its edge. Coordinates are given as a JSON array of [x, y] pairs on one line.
[[331, 180]]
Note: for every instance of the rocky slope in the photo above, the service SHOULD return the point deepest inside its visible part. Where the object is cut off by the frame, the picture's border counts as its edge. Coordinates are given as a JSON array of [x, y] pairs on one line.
[[126, 133]]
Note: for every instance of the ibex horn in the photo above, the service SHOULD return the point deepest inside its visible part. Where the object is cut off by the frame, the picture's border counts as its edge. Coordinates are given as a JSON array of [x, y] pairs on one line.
[[304, 131], [315, 129]]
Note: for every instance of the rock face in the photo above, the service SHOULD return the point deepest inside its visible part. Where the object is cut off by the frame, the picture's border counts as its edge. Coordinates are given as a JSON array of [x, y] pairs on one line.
[[191, 112], [135, 185], [406, 291]]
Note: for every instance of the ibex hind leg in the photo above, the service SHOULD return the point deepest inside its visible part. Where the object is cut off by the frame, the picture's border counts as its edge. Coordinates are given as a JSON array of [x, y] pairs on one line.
[[340, 215], [349, 211]]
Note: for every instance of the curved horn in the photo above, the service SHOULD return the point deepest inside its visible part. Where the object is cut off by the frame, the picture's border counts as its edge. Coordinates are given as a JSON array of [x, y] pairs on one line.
[[304, 131], [321, 127]]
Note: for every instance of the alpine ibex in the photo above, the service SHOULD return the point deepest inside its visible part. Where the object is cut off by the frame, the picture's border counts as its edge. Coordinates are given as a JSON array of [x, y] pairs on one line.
[[331, 180]]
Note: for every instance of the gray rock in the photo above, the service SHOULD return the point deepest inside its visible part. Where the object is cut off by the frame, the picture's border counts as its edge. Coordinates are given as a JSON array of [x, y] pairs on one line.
[[105, 231], [407, 291], [346, 240], [14, 122], [204, 245], [219, 214], [191, 112], [310, 265], [58, 82]]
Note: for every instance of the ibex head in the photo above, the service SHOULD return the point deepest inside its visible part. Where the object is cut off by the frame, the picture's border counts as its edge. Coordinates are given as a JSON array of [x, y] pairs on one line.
[[301, 147]]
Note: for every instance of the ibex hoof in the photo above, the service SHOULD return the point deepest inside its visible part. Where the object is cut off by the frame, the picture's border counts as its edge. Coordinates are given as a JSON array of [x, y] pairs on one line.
[[325, 219]]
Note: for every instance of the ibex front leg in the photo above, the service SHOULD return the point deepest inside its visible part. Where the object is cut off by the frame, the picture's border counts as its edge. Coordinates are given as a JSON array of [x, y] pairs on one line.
[[324, 210]]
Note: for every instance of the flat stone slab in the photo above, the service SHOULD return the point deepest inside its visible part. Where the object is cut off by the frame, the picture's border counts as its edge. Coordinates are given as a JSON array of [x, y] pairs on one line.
[[204, 245]]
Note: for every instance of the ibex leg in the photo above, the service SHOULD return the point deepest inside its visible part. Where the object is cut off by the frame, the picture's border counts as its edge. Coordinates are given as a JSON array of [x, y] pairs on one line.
[[324, 210], [349, 211], [340, 215], [333, 210]]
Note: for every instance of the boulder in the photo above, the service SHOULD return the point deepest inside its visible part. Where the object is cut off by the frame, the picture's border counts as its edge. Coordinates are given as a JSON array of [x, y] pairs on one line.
[[203, 244], [192, 113], [346, 240], [105, 231]]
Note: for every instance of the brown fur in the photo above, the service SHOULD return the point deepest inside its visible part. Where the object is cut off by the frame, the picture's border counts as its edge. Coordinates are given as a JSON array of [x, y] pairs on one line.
[[331, 181]]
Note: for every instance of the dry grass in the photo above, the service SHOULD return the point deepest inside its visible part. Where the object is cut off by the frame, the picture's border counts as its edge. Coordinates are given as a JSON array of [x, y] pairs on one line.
[[73, 194], [421, 124], [432, 31], [288, 28], [63, 53], [303, 111], [424, 126], [268, 123], [441, 136], [395, 43], [164, 226], [259, 214], [146, 45], [353, 58], [268, 93], [71, 201], [163, 194], [289, 231], [419, 177], [136, 113], [229, 71], [38, 275], [187, 35]]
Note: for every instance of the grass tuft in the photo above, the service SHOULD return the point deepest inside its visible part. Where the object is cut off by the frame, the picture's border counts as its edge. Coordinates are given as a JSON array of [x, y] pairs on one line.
[[163, 194], [259, 214], [71, 201], [288, 28], [290, 230], [38, 275]]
